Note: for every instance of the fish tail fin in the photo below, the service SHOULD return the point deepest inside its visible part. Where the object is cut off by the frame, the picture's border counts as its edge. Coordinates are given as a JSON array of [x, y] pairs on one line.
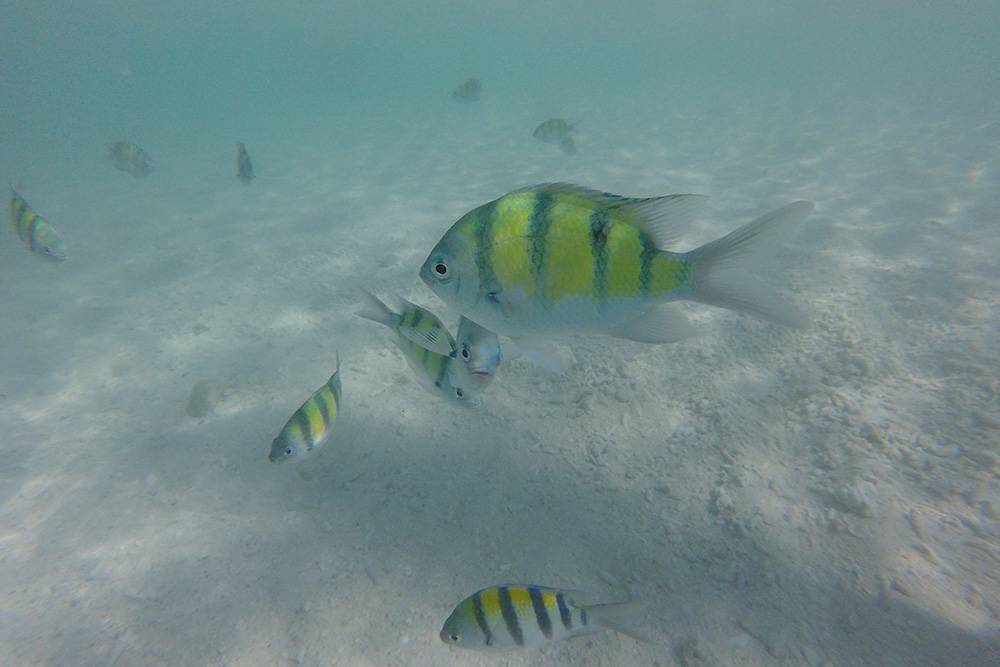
[[718, 269], [373, 309], [335, 378], [623, 617]]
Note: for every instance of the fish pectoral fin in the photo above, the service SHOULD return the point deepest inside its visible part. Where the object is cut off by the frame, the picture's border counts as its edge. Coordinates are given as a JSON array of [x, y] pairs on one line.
[[660, 324], [547, 356], [431, 339]]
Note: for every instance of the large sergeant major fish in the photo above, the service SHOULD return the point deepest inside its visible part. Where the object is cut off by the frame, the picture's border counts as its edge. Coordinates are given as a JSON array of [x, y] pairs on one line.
[[561, 258], [128, 157], [311, 425], [511, 616], [244, 167], [34, 230]]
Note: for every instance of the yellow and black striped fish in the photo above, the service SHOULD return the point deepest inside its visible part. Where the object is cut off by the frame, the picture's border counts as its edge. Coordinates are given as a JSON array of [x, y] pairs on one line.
[[311, 424], [561, 258], [244, 167], [417, 331], [557, 131], [128, 157], [34, 230], [467, 91], [511, 616]]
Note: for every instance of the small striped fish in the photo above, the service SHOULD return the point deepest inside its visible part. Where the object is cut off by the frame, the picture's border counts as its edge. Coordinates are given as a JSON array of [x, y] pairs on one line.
[[128, 157], [467, 91], [418, 331], [34, 230], [244, 167], [311, 424], [557, 131], [479, 349], [510, 616], [561, 258]]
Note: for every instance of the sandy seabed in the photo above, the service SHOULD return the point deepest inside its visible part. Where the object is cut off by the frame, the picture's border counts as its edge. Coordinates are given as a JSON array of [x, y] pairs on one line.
[[826, 496]]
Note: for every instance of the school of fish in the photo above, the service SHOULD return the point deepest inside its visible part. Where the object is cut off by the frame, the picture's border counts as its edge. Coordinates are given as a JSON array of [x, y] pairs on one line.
[[536, 263]]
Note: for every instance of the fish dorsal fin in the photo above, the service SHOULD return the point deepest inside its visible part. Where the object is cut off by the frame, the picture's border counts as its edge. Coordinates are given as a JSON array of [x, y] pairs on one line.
[[663, 219]]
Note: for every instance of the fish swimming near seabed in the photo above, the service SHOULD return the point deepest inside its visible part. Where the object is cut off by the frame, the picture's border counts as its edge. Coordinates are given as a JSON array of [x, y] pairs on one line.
[[244, 167], [479, 349], [440, 374], [561, 258], [467, 91], [312, 424], [512, 616], [128, 157], [557, 131], [34, 230]]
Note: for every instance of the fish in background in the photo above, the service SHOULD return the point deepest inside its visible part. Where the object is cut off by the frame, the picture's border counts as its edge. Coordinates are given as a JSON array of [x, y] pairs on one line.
[[128, 157], [511, 616], [467, 91], [479, 349], [244, 167], [561, 258], [438, 373], [557, 131], [312, 424], [34, 230]]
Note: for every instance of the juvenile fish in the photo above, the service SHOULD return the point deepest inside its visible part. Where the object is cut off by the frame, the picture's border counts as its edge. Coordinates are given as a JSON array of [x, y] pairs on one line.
[[312, 424], [467, 91], [440, 374], [128, 157], [557, 131], [244, 167], [511, 616], [34, 230], [561, 258], [479, 349]]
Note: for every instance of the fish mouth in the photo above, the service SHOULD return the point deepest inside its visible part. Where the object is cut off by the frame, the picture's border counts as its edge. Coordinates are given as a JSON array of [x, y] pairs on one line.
[[484, 374]]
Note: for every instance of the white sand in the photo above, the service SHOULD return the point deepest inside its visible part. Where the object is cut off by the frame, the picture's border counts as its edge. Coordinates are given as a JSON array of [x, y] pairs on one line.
[[824, 497]]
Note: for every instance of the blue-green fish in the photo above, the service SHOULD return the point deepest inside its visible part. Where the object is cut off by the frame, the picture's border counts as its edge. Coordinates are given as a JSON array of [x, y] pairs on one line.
[[128, 157], [34, 230], [561, 258], [479, 349], [511, 616], [440, 374], [312, 424], [244, 168], [557, 131]]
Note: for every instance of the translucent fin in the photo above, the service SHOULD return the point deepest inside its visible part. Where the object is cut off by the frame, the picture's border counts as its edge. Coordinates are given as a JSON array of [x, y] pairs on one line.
[[373, 309], [435, 340], [721, 275], [660, 324], [623, 617], [543, 355], [662, 218], [334, 380]]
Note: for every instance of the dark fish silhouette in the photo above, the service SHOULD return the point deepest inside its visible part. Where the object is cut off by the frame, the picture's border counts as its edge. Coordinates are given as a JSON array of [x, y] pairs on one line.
[[244, 167]]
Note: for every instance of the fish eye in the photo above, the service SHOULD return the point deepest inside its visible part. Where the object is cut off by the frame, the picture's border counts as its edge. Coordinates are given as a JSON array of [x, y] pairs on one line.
[[453, 637], [459, 393], [288, 451], [465, 352], [441, 269]]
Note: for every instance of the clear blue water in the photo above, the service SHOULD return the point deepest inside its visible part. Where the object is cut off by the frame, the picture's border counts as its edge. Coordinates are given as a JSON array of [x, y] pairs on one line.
[[828, 496]]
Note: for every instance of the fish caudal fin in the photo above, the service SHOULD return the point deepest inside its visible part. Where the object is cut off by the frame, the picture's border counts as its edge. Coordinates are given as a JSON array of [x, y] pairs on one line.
[[720, 275], [373, 309], [623, 617]]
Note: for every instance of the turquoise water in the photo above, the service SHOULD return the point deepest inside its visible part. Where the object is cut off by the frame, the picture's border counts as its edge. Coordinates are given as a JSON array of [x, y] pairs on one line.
[[823, 496]]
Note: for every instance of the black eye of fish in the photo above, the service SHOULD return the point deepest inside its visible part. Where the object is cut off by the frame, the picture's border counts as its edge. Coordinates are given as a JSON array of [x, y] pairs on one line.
[[454, 638], [288, 450], [441, 269], [465, 353], [459, 393]]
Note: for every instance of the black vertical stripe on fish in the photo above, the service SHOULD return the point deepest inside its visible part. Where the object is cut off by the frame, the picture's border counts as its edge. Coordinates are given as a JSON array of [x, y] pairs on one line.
[[324, 407], [538, 232], [444, 361], [541, 613], [649, 251], [485, 218], [477, 608], [567, 618], [418, 315], [583, 617], [32, 229], [510, 616], [599, 250], [303, 419]]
